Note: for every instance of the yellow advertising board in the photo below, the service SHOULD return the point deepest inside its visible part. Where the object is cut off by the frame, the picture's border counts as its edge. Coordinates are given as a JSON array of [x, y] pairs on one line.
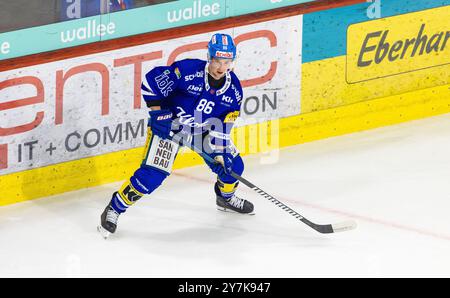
[[398, 45]]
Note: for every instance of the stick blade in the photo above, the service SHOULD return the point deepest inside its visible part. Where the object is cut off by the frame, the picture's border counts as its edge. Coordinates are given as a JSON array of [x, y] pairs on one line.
[[344, 226]]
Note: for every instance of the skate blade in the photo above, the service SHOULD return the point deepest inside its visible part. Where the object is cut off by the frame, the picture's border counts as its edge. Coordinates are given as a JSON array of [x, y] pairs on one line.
[[223, 209], [105, 234]]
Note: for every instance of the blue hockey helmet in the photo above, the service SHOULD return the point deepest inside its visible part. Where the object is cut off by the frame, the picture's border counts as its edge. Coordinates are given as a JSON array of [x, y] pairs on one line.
[[221, 46]]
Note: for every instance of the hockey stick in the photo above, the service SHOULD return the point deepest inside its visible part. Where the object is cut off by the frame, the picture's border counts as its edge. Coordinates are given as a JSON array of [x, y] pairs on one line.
[[324, 229]]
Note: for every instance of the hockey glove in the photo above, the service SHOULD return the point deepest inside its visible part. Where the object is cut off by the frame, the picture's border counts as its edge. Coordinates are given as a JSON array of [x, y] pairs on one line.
[[161, 123], [224, 163]]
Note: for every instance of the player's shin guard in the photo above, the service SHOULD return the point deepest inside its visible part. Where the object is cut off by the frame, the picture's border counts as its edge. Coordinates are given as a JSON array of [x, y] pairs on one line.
[[144, 181], [125, 197]]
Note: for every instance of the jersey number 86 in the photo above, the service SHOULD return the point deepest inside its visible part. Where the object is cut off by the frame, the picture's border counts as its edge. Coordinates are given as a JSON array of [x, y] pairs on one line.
[[205, 106]]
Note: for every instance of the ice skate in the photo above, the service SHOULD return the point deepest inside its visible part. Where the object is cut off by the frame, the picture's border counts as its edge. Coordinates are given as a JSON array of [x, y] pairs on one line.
[[233, 204], [108, 222]]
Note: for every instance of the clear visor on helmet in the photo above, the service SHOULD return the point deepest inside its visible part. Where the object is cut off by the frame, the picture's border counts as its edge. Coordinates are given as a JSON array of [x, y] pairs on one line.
[[222, 63]]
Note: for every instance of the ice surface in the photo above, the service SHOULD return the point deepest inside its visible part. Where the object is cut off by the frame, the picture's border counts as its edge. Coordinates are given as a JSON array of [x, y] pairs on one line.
[[394, 181]]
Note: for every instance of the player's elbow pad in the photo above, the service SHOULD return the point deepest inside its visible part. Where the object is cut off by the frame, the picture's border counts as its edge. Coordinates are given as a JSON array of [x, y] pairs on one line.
[[149, 96]]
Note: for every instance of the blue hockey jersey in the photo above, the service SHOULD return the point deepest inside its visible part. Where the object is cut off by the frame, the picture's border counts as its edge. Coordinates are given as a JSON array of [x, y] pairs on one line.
[[183, 89]]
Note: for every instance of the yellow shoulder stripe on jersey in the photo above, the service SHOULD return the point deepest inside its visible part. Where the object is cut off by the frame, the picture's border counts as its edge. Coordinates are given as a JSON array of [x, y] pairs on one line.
[[231, 117]]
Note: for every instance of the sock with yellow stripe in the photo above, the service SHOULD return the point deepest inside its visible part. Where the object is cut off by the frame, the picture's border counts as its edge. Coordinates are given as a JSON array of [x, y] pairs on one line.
[[125, 197], [225, 190], [226, 200], [144, 181]]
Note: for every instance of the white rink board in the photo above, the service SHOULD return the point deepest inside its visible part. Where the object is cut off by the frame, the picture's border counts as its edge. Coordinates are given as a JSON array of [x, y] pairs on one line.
[[82, 120]]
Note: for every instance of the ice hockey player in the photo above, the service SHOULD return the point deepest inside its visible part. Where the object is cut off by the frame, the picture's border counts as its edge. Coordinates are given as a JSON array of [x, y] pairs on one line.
[[199, 100]]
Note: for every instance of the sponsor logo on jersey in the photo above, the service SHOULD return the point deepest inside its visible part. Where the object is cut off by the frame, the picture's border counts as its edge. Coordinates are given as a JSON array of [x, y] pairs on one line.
[[227, 99], [164, 83], [189, 120], [237, 94], [231, 117], [193, 89], [198, 74]]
